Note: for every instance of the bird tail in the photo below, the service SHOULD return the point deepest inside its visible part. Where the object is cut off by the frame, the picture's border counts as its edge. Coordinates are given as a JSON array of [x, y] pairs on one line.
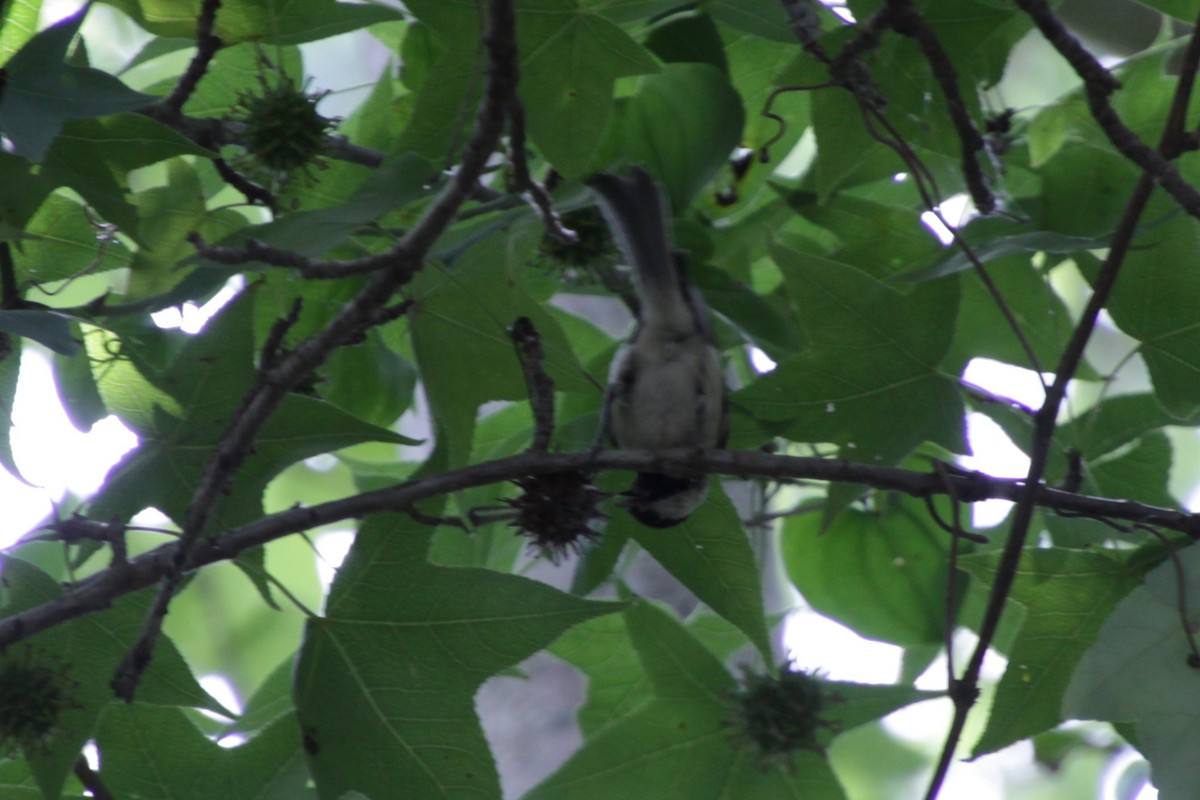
[[639, 214]]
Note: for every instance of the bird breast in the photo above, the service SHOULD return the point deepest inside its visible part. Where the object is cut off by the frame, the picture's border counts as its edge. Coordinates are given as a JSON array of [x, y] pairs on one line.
[[667, 389]]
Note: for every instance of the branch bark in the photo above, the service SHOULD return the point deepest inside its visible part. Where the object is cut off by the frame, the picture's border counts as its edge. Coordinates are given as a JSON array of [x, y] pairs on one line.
[[97, 592]]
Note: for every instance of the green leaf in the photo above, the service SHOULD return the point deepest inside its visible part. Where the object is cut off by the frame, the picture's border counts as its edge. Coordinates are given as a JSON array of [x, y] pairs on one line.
[[44, 327], [370, 381], [10, 373], [1067, 595], [443, 630], [1138, 671], [683, 124], [235, 71], [710, 555], [93, 157], [85, 652], [1084, 191], [16, 783], [570, 61], [1179, 9], [881, 573], [281, 22], [41, 91], [763, 20], [272, 700], [17, 207], [148, 752], [868, 380], [1040, 314], [1113, 423], [617, 684], [1141, 473], [396, 183], [167, 215], [994, 249], [460, 337], [206, 381], [18, 26], [1156, 308], [679, 745], [77, 389], [64, 243]]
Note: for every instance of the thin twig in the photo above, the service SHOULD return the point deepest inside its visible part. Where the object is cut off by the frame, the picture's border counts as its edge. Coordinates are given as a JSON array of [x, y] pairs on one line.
[[525, 182], [207, 45], [908, 22], [539, 385]]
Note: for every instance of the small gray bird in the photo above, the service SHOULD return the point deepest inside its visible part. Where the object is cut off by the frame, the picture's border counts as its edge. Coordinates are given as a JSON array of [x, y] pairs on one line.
[[665, 387]]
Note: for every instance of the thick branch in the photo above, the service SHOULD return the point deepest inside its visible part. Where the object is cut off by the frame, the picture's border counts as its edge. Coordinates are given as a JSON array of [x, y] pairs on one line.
[[100, 590]]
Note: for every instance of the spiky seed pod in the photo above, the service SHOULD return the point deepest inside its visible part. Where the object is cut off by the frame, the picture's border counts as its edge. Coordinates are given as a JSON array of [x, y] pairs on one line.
[[585, 261], [777, 717], [555, 512], [33, 696], [282, 130]]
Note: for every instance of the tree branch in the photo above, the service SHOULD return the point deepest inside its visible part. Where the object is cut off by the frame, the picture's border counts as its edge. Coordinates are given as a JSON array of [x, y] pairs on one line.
[[907, 22], [1099, 84], [207, 45], [365, 309], [98, 591], [965, 690]]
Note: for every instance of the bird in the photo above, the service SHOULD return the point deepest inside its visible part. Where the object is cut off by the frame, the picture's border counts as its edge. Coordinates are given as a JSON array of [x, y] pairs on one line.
[[666, 386]]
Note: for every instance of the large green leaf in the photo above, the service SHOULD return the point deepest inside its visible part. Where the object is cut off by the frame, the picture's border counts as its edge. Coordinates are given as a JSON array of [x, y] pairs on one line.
[[64, 243], [45, 327], [569, 62], [41, 91], [166, 216], [204, 385], [10, 372], [272, 22], [872, 235], [18, 24], [882, 573], [398, 657], [683, 124], [1154, 304], [1067, 595], [680, 744], [93, 156], [84, 653], [617, 684], [148, 752], [868, 380], [1139, 671], [1041, 317], [314, 232], [710, 554], [460, 334]]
